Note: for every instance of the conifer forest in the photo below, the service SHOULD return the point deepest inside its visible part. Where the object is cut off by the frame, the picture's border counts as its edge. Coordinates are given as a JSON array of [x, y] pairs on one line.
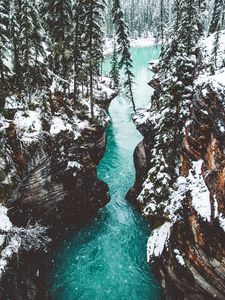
[[112, 158]]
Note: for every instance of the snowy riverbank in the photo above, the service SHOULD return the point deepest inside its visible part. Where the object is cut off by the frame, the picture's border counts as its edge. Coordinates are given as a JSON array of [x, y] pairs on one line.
[[138, 42]]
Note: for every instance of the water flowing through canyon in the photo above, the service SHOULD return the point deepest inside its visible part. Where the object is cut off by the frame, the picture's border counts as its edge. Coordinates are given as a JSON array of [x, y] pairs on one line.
[[106, 259]]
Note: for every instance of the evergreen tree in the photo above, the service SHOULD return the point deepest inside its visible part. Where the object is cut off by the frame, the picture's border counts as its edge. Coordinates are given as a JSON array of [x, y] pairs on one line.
[[144, 16], [28, 51], [189, 30], [123, 41], [58, 23], [176, 13], [216, 20], [16, 49], [115, 70], [203, 7], [162, 20], [94, 10], [79, 51], [178, 62], [4, 52], [31, 47], [213, 63], [109, 23]]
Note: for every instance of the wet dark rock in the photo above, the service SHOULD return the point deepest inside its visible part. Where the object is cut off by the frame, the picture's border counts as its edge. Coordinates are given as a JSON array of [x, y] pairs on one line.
[[53, 181], [53, 193], [24, 280], [141, 163], [200, 243]]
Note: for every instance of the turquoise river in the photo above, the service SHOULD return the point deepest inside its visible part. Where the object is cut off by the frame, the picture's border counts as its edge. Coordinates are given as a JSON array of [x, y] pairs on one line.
[[106, 260]]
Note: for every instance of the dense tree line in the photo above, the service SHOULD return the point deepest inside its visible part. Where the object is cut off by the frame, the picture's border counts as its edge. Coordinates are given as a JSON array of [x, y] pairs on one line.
[[123, 49], [63, 39], [145, 17], [179, 65], [55, 38]]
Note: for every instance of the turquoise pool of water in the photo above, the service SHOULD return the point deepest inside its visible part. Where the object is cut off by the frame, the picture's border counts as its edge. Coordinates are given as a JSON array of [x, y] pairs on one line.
[[106, 259]]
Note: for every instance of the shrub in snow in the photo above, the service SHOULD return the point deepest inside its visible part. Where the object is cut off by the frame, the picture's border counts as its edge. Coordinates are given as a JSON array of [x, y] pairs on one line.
[[14, 239], [34, 237]]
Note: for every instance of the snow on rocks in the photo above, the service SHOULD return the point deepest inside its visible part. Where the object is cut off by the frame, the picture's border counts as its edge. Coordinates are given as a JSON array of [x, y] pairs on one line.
[[195, 184], [157, 241], [5, 223], [141, 116], [3, 123], [146, 116], [104, 88], [14, 239], [12, 103], [179, 257], [199, 192], [59, 125], [154, 62], [13, 245], [153, 65], [222, 221], [28, 125], [177, 196], [73, 164], [7, 253], [216, 82]]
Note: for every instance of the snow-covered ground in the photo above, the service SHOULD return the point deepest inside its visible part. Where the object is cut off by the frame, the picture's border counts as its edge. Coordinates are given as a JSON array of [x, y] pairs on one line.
[[138, 42], [29, 122], [216, 80]]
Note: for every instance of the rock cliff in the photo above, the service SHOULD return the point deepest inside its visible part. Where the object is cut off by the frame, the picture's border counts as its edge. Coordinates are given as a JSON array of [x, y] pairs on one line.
[[186, 248], [49, 156]]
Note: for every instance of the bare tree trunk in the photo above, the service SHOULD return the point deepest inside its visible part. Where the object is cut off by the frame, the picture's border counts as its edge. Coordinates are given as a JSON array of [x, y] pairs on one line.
[[90, 60], [161, 21]]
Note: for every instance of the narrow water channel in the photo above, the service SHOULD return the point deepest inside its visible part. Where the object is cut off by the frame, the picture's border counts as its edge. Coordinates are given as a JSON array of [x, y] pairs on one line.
[[106, 260]]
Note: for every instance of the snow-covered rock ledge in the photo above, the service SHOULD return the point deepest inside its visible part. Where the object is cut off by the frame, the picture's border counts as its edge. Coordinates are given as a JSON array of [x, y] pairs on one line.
[[50, 148], [186, 248], [16, 239]]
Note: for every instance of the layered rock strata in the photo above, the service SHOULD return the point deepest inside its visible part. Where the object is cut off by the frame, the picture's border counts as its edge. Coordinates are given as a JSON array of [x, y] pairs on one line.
[[49, 157]]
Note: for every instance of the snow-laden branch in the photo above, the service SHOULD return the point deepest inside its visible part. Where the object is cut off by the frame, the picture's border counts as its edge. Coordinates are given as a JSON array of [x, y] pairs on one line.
[[33, 237], [14, 239]]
